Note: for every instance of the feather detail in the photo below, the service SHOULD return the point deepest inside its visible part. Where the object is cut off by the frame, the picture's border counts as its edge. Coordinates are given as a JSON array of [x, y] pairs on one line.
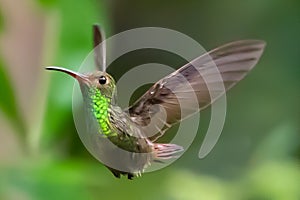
[[185, 91]]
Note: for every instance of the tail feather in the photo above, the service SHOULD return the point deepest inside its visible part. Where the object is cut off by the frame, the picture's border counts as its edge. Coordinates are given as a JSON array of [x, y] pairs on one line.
[[167, 151]]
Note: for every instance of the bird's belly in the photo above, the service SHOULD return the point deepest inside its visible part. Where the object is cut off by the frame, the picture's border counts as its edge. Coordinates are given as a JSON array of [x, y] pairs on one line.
[[124, 154]]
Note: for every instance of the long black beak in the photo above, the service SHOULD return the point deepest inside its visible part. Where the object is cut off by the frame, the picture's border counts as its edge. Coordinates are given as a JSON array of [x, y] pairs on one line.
[[76, 75]]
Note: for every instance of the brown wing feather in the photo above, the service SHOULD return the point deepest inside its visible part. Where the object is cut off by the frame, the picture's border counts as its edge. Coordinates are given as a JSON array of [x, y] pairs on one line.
[[99, 51], [172, 98]]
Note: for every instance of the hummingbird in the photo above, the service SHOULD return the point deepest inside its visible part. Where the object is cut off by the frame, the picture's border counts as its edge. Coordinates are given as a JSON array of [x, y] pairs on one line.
[[125, 128]]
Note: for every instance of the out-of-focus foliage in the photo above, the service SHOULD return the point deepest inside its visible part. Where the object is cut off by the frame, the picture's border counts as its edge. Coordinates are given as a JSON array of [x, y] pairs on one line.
[[257, 156], [1, 21], [8, 102], [75, 41]]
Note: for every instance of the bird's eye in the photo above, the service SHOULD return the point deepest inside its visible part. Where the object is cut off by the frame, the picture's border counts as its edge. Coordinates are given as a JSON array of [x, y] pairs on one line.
[[102, 80]]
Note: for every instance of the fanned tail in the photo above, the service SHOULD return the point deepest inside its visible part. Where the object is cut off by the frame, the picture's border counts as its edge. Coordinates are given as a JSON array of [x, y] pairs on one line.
[[167, 151]]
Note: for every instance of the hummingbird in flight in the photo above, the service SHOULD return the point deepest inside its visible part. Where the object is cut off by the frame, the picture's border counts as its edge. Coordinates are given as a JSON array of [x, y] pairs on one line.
[[169, 97]]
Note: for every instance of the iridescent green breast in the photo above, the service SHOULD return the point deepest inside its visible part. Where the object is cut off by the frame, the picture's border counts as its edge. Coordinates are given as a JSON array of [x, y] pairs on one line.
[[100, 109]]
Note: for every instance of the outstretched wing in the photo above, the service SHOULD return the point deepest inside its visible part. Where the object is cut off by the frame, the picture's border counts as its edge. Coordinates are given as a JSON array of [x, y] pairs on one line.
[[99, 51], [202, 80]]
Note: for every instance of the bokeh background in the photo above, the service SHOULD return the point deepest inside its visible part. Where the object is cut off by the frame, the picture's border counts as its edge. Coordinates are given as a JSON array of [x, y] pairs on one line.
[[41, 155]]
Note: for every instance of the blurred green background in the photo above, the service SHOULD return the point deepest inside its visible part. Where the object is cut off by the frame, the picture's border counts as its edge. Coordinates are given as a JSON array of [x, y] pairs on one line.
[[41, 155]]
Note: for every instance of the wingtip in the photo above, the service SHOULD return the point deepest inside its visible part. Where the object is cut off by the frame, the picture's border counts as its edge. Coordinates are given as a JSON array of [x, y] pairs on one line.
[[263, 43], [252, 41], [96, 25]]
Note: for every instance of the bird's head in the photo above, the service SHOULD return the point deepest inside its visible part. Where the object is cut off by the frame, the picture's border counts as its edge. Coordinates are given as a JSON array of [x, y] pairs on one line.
[[92, 82]]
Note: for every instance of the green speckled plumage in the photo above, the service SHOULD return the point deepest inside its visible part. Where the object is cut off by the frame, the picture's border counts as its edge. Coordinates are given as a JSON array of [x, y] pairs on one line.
[[113, 122], [100, 105]]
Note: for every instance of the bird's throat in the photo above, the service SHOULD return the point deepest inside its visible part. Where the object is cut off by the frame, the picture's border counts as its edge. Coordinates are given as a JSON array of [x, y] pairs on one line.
[[100, 109]]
